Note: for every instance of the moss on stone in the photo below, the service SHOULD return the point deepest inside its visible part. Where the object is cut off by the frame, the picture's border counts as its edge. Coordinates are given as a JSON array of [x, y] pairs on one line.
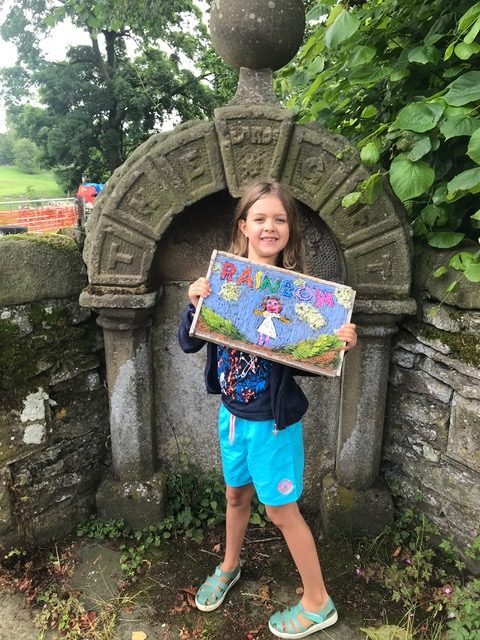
[[56, 240], [464, 346], [27, 361]]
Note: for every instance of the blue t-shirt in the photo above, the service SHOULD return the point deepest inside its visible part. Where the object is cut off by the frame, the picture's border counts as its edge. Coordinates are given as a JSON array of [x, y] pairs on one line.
[[245, 383]]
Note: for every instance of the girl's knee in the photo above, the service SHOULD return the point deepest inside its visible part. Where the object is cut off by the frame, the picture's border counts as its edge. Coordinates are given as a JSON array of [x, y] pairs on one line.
[[239, 496], [283, 514]]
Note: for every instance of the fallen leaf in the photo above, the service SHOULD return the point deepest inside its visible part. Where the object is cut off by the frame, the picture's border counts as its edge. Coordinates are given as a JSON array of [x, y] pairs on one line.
[[217, 548], [396, 552], [139, 635], [299, 591]]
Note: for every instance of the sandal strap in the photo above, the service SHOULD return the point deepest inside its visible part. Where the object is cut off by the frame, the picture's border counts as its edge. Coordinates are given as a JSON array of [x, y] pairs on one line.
[[318, 616], [213, 588], [288, 621]]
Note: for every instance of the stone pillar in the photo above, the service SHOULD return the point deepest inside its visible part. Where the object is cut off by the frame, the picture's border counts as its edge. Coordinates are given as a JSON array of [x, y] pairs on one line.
[[354, 499], [133, 490]]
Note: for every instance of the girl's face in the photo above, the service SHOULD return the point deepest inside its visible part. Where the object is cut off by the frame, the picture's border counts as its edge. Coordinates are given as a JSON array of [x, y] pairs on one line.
[[273, 306], [266, 228]]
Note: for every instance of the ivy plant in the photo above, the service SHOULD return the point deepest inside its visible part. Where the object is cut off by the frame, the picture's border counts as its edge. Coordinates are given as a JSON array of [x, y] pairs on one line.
[[400, 79]]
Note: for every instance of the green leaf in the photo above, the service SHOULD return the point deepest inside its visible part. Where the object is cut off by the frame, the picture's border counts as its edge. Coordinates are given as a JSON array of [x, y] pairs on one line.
[[317, 12], [316, 66], [350, 199], [368, 74], [472, 272], [333, 15], [476, 215], [369, 111], [449, 289], [464, 89], [465, 181], [449, 51], [410, 179], [459, 126], [465, 51], [399, 73], [344, 26], [360, 55], [445, 239], [473, 150], [420, 149], [370, 153], [469, 17], [433, 215], [372, 188], [473, 33], [419, 116], [439, 272], [424, 55], [460, 260]]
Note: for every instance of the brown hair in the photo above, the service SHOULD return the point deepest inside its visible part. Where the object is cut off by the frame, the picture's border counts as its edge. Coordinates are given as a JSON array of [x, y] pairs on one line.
[[292, 256]]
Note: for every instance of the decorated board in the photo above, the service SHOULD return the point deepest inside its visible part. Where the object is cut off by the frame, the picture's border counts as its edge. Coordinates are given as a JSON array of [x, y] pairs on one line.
[[274, 313]]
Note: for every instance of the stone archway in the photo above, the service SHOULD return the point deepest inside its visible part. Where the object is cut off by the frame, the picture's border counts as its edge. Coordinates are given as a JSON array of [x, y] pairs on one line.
[[171, 172], [250, 139]]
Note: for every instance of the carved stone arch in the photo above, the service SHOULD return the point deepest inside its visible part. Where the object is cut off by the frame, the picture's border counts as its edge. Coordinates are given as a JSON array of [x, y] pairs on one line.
[[170, 172]]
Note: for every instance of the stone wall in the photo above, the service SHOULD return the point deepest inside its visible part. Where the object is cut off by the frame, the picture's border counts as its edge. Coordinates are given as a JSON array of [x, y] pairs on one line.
[[53, 403], [432, 433]]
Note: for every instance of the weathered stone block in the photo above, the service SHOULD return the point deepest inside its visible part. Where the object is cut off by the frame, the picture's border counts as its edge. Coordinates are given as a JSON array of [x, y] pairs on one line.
[[448, 318], [139, 503], [420, 382], [355, 512], [39, 266], [464, 436], [466, 386]]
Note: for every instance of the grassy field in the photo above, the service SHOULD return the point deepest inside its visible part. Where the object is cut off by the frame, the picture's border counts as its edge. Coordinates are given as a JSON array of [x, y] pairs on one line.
[[15, 185]]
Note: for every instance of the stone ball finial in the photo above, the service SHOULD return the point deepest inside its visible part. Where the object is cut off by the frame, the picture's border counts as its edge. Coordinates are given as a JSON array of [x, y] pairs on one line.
[[257, 34]]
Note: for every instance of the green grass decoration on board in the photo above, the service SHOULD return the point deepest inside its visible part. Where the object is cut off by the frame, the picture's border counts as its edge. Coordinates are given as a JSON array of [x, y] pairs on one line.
[[217, 323], [313, 346]]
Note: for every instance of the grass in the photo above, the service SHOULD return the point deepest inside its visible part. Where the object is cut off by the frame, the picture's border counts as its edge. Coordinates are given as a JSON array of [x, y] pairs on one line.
[[15, 185]]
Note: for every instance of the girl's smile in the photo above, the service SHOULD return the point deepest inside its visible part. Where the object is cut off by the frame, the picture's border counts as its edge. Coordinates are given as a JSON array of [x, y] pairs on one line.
[[266, 228]]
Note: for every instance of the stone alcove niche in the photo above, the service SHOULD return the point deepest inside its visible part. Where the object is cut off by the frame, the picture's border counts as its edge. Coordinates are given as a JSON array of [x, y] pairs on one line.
[[185, 419]]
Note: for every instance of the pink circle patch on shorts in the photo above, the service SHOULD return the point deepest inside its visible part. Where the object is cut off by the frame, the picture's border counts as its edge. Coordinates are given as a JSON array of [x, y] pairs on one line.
[[285, 486]]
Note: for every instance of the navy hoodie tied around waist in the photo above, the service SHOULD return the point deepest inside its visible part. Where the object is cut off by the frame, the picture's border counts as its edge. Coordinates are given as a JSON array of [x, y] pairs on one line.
[[289, 403]]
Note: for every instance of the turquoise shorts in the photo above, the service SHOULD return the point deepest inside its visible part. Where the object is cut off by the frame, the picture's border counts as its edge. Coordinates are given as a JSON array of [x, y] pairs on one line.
[[252, 451]]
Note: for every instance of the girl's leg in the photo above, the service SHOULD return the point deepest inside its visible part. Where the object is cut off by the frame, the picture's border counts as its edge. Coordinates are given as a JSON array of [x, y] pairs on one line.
[[213, 591], [238, 514], [301, 545]]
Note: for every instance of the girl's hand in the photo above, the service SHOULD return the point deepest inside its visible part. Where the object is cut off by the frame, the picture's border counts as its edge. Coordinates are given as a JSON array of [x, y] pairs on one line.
[[199, 288], [347, 333]]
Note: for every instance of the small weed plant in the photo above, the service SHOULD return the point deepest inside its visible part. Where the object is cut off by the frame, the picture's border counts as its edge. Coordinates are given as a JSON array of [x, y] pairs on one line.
[[195, 503], [426, 575]]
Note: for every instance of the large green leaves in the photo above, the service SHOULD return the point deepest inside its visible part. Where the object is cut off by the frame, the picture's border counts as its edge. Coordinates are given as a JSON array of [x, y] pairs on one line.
[[419, 116], [410, 179], [344, 26], [465, 181], [464, 89], [474, 146]]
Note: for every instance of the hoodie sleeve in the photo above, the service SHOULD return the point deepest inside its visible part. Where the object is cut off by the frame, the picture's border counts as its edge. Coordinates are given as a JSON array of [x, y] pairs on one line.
[[188, 343]]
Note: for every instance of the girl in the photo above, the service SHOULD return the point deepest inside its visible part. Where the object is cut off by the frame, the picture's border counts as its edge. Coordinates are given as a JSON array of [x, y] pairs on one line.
[[260, 430]]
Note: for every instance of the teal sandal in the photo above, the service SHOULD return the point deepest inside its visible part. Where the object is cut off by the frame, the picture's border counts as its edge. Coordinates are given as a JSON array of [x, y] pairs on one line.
[[286, 624], [213, 591]]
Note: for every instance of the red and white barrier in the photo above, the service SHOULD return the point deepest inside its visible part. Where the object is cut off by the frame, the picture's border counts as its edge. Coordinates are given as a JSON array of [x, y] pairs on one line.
[[48, 218]]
